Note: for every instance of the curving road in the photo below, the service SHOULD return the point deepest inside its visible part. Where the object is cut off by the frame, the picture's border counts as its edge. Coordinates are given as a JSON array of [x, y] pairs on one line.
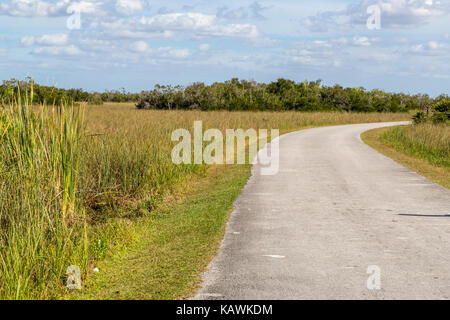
[[335, 208]]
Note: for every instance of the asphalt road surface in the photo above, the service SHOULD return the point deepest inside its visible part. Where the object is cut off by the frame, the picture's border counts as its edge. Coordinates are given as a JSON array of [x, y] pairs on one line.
[[335, 211]]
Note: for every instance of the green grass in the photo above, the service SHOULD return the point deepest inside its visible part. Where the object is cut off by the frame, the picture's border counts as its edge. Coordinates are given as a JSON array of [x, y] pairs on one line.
[[419, 147], [176, 243], [430, 142]]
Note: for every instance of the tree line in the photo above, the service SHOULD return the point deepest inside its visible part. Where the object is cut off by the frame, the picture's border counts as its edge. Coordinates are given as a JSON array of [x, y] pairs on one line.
[[235, 95], [280, 95], [52, 95]]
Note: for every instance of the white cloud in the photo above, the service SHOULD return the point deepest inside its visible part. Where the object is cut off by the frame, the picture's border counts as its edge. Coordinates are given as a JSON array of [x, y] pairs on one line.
[[27, 41], [394, 14], [47, 39], [433, 45], [343, 42], [32, 8], [204, 47], [198, 25], [361, 41], [253, 11], [97, 45], [42, 8], [318, 53], [89, 7], [431, 48], [139, 46], [70, 50], [340, 52], [173, 53], [185, 26], [130, 28], [129, 7], [397, 13]]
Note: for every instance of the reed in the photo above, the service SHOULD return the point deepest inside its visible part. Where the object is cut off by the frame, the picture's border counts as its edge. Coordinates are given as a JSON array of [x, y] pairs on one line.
[[40, 214]]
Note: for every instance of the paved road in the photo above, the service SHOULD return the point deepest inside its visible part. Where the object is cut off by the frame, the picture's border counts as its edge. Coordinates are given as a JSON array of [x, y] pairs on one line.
[[335, 208]]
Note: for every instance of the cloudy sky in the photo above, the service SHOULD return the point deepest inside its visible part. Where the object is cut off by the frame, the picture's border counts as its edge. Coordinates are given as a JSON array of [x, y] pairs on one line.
[[134, 44]]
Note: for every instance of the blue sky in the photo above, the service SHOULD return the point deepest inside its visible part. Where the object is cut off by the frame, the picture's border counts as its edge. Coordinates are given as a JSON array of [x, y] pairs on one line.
[[135, 44]]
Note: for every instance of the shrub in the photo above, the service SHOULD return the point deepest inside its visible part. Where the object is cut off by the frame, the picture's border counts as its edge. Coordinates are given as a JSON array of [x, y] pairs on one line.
[[439, 117], [441, 112], [419, 117], [442, 106]]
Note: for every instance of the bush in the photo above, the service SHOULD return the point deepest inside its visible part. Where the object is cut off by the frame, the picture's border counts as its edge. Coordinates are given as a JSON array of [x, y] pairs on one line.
[[95, 99], [419, 117], [442, 106], [441, 111], [439, 117]]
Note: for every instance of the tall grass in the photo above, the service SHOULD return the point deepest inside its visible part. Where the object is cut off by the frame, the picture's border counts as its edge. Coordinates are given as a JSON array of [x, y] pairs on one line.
[[427, 141], [72, 179], [40, 214]]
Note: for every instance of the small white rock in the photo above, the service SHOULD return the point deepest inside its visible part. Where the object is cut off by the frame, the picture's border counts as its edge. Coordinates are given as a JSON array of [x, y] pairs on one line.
[[96, 270]]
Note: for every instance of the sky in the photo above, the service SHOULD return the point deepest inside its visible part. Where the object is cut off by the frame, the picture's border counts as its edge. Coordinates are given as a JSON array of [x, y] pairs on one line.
[[393, 45]]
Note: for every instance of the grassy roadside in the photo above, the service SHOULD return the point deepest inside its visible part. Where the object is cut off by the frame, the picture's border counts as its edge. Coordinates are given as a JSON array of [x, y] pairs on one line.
[[165, 261], [79, 183], [376, 138]]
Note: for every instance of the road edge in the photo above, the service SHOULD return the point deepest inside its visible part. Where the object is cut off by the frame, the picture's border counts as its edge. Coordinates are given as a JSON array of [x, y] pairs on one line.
[[420, 166]]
